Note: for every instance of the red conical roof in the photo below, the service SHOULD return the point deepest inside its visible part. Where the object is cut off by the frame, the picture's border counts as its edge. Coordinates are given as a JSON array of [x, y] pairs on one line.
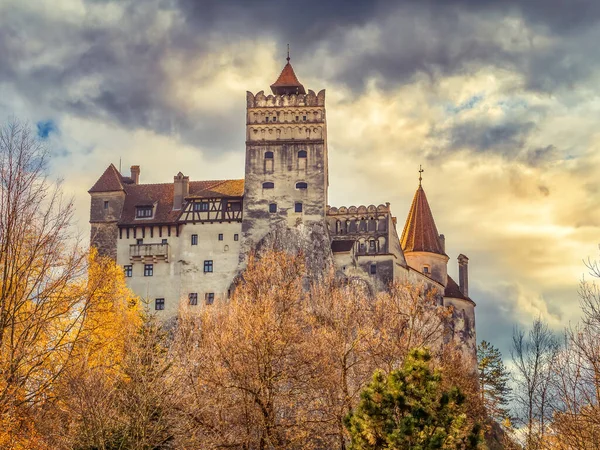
[[420, 233], [287, 83]]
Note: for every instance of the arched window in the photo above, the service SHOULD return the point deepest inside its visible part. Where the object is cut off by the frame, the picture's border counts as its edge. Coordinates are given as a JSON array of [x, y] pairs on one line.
[[268, 155], [301, 185], [302, 154], [268, 185]]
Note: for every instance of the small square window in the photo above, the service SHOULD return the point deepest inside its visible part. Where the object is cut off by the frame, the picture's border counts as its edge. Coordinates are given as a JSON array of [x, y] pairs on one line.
[[273, 207], [148, 270], [128, 270], [159, 304], [373, 269], [274, 119], [208, 266], [210, 298], [193, 297], [268, 155], [106, 204], [298, 207], [139, 241], [236, 237], [194, 239], [220, 236], [165, 241], [425, 269], [304, 118]]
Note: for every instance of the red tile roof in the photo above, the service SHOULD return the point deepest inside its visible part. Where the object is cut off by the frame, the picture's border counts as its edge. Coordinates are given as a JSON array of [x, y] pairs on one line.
[[287, 83], [453, 290], [110, 181], [162, 196], [420, 233]]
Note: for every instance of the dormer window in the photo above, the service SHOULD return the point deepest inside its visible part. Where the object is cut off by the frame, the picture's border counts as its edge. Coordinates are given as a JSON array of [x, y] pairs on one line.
[[201, 206], [143, 212]]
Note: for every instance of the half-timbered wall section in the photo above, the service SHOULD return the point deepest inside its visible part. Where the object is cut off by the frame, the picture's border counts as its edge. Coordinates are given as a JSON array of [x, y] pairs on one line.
[[212, 210]]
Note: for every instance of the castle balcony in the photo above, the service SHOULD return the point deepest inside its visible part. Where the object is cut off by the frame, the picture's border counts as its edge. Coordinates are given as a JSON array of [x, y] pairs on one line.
[[149, 252]]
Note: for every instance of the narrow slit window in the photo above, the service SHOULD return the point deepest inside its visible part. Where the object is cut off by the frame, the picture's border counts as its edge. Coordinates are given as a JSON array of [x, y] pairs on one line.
[[373, 269], [106, 204]]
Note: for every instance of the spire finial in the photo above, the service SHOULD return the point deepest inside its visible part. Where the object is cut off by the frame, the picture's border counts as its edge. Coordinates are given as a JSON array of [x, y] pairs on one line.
[[420, 173], [288, 57]]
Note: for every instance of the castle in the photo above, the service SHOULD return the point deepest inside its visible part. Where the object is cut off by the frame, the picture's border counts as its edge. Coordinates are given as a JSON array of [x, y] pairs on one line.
[[186, 241]]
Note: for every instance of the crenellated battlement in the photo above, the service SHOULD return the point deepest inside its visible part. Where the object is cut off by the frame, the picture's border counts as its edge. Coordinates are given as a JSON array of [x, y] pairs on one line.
[[362, 209], [260, 100]]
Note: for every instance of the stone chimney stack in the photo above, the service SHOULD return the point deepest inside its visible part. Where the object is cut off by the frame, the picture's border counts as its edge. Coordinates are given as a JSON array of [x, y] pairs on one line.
[[181, 189], [135, 174], [463, 274], [443, 242]]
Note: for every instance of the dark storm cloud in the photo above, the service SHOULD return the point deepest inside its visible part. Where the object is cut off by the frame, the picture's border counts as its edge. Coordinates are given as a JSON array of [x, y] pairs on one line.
[[121, 63], [506, 137]]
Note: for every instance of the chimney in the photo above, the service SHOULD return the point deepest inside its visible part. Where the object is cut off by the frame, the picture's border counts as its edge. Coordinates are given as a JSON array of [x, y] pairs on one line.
[[463, 274], [135, 174], [443, 242], [181, 189]]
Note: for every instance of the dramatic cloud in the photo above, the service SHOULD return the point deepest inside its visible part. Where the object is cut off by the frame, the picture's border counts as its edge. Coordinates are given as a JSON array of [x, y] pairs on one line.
[[496, 99]]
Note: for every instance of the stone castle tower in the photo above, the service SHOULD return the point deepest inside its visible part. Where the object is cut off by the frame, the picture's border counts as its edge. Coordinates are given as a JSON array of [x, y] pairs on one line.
[[286, 177]]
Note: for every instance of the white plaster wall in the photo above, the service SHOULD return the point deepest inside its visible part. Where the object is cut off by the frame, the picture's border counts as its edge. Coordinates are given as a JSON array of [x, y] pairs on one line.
[[184, 273]]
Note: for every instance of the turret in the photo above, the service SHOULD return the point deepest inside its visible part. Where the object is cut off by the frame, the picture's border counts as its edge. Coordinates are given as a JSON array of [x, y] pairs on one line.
[[422, 245], [107, 199]]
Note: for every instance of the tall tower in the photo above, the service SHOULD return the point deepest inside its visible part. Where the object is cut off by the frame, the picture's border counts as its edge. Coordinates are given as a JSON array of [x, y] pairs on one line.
[[286, 158]]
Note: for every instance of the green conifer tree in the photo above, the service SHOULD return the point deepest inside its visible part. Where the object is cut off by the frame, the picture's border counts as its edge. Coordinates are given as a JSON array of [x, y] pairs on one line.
[[493, 382], [409, 409]]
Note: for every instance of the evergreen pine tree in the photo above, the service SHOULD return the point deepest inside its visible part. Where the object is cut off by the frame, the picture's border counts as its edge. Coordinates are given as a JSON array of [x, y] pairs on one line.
[[493, 381], [409, 409]]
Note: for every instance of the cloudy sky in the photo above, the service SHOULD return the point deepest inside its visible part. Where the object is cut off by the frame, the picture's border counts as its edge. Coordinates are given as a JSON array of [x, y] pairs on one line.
[[496, 99]]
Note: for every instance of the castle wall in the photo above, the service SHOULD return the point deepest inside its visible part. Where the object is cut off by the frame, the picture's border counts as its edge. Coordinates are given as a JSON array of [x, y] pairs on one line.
[[437, 265], [183, 273]]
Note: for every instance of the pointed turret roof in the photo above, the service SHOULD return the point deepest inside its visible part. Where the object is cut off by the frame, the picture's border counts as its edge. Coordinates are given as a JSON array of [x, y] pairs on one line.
[[111, 180], [287, 83], [420, 233]]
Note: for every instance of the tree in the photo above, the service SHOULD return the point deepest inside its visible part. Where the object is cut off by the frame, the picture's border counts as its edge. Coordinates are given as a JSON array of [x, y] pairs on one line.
[[493, 381], [43, 307], [534, 356], [409, 409]]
